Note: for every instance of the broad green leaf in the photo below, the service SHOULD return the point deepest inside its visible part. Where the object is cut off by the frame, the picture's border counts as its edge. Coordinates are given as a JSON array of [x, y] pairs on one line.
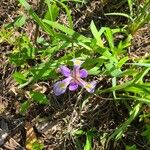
[[25, 4], [19, 77], [37, 145], [113, 70], [146, 133], [140, 75], [130, 3], [39, 97], [139, 89], [52, 12], [116, 88], [35, 17], [20, 21], [105, 52], [24, 106], [20, 58], [88, 144], [75, 36], [122, 61], [96, 34], [109, 36], [133, 147], [94, 71]]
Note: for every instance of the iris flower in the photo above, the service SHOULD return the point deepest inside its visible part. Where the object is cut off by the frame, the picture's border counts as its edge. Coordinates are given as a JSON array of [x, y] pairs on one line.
[[73, 79]]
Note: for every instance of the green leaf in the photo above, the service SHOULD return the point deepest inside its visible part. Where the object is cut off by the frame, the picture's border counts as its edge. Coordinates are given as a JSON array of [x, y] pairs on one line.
[[23, 51], [109, 35], [113, 70], [37, 146], [107, 55], [140, 75], [117, 87], [133, 147], [52, 12], [20, 21], [140, 64], [146, 133], [133, 114], [78, 132], [94, 71], [35, 17], [96, 34], [24, 106], [88, 144], [44, 71], [122, 61], [75, 36], [130, 3], [21, 58], [68, 13], [39, 97], [19, 77]]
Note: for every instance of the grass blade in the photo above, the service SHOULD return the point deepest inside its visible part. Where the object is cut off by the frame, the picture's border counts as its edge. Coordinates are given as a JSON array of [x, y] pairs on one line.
[[35, 17]]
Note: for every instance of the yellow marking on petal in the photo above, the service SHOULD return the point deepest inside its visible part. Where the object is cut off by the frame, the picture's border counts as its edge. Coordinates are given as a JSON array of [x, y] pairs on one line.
[[77, 62], [62, 85], [88, 86]]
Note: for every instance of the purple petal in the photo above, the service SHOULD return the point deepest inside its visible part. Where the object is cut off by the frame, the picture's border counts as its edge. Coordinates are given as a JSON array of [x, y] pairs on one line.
[[83, 73], [65, 71], [73, 86], [90, 87], [60, 86], [81, 82], [76, 72]]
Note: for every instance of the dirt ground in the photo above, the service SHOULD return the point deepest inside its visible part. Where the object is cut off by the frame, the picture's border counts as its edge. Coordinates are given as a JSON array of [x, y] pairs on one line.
[[51, 124]]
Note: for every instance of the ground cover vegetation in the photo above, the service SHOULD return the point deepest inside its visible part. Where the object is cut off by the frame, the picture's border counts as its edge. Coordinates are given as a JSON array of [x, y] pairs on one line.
[[75, 75]]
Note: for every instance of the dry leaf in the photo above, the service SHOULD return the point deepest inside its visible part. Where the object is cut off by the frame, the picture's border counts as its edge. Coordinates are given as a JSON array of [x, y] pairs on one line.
[[30, 136], [3, 131], [13, 145]]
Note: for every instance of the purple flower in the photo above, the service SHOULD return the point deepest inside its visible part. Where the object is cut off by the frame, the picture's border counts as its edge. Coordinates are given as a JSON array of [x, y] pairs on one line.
[[73, 79]]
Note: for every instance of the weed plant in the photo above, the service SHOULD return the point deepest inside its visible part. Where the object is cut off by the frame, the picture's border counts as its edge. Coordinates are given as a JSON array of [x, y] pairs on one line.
[[103, 55]]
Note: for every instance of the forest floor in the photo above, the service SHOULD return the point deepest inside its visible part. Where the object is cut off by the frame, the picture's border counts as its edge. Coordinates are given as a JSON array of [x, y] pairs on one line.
[[51, 124]]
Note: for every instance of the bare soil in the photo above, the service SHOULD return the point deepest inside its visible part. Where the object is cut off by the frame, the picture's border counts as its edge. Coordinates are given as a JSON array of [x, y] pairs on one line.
[[52, 124]]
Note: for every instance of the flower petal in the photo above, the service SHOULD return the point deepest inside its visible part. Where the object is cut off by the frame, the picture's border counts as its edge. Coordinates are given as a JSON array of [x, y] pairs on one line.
[[65, 71], [83, 73], [81, 82], [73, 86], [76, 72], [90, 87], [77, 62], [60, 86]]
